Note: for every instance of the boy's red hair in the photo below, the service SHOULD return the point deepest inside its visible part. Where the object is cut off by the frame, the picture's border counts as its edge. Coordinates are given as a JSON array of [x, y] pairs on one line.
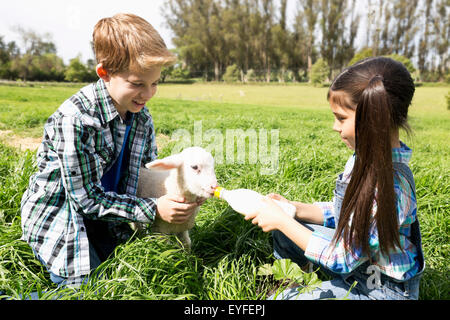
[[128, 42]]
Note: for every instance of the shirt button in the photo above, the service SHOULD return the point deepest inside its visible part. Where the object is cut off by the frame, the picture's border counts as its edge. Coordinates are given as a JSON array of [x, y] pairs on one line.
[[82, 229], [119, 135]]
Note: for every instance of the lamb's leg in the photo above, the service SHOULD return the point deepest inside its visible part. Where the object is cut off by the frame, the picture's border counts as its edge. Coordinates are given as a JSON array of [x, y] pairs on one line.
[[185, 239]]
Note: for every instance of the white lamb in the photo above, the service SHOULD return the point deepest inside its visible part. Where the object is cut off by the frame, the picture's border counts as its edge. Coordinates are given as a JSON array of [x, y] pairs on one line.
[[190, 174]]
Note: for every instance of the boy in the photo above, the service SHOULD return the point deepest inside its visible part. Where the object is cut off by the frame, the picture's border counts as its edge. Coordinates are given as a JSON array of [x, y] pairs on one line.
[[78, 205]]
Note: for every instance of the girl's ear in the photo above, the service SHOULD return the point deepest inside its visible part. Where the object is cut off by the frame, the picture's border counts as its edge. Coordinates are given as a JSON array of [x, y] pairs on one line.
[[102, 73], [170, 162]]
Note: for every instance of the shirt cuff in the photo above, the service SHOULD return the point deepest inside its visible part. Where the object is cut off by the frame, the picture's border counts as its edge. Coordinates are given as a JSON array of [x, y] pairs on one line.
[[317, 247], [146, 210], [328, 213]]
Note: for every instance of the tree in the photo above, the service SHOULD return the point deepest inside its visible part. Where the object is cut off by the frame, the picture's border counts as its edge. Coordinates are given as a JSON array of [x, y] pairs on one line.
[[178, 14], [22, 66], [76, 71], [346, 49], [266, 35], [47, 67], [385, 41], [35, 44], [8, 52], [300, 52], [198, 30], [236, 19], [404, 14], [39, 61], [404, 60], [360, 55], [376, 36], [256, 35], [319, 72], [442, 35], [310, 15], [232, 74], [281, 44], [368, 53], [424, 41], [332, 25]]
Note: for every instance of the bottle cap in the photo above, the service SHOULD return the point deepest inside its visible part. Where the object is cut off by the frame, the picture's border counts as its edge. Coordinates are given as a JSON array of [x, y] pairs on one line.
[[217, 192]]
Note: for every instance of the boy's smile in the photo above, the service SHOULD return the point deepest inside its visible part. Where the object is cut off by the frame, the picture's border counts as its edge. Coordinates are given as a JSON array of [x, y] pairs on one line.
[[130, 91]]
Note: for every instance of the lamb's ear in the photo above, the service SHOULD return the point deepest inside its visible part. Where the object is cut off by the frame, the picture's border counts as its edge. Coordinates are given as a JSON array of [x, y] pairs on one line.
[[170, 162]]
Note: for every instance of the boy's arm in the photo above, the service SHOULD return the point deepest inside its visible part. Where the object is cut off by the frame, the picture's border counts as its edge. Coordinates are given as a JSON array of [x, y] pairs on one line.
[[81, 172]]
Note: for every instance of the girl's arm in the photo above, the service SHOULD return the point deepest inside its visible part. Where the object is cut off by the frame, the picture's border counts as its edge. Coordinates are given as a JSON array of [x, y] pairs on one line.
[[317, 247], [271, 217], [306, 212]]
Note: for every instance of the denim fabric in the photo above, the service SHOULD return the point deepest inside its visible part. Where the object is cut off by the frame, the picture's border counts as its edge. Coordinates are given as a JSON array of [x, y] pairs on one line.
[[75, 282], [285, 248], [338, 287], [368, 287]]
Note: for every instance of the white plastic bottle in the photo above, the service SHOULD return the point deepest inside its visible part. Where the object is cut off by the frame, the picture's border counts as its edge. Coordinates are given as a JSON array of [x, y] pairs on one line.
[[245, 200]]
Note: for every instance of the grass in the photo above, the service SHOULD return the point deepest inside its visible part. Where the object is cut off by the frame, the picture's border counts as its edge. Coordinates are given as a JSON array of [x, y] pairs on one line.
[[227, 251]]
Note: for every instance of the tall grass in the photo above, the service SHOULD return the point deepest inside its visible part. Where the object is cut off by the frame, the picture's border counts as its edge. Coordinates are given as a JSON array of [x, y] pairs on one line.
[[227, 250]]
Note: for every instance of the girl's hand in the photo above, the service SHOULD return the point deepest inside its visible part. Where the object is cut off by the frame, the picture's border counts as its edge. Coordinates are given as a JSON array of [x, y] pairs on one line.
[[174, 209], [278, 197], [269, 216]]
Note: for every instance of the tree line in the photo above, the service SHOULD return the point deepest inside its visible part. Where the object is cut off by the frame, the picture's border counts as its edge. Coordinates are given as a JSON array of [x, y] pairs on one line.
[[254, 39], [259, 40], [36, 60]]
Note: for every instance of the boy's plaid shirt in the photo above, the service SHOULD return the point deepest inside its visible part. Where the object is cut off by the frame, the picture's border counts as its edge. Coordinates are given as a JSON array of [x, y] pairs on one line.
[[400, 265], [82, 140]]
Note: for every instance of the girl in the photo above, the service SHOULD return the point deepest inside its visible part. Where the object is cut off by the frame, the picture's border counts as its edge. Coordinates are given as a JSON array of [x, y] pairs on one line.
[[370, 231]]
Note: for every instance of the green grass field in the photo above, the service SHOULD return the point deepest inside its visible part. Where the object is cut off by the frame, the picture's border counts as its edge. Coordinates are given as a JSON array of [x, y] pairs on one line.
[[227, 251]]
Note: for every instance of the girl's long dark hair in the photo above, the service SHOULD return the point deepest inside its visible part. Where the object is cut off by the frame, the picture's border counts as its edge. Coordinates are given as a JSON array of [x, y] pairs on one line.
[[382, 90]]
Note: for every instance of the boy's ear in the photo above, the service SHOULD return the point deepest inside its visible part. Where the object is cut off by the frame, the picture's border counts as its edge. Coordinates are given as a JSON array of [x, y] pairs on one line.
[[102, 73], [170, 162]]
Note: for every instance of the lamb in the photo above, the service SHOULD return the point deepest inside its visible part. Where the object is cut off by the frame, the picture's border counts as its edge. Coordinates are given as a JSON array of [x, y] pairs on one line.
[[190, 174]]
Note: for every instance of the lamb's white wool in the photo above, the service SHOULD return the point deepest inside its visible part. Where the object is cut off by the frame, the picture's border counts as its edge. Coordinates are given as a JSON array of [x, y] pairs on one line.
[[189, 173]]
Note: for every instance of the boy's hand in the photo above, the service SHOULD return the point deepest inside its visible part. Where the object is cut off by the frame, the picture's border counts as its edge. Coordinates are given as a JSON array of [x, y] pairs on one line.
[[174, 209]]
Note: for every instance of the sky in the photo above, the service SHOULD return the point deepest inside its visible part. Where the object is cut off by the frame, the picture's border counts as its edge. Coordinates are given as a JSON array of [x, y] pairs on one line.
[[71, 22]]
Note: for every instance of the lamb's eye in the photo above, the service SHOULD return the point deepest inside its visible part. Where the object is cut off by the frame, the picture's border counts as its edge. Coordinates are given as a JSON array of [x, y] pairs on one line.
[[194, 167]]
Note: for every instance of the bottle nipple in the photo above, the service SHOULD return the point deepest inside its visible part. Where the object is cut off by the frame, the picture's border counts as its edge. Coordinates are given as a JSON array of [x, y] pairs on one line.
[[217, 192]]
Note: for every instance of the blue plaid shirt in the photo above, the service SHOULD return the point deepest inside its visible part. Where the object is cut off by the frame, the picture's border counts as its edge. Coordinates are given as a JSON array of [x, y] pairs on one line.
[[400, 265], [81, 142]]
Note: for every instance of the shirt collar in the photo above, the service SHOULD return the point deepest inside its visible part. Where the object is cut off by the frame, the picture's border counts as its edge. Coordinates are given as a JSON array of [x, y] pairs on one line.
[[108, 111], [402, 154]]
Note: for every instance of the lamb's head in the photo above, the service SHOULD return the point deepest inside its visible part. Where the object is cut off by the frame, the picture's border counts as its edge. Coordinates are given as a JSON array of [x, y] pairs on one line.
[[195, 168]]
